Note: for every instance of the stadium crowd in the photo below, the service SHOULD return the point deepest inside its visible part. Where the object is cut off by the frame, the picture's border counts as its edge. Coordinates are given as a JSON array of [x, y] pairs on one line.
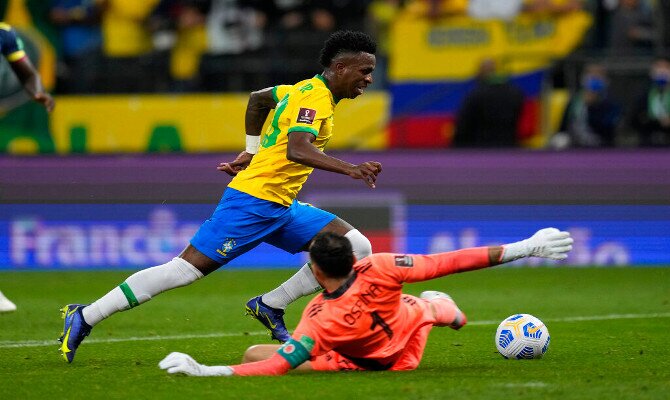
[[126, 46]]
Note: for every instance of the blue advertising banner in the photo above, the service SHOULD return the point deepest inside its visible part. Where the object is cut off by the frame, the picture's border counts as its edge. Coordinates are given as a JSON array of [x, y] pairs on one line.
[[102, 236], [604, 235]]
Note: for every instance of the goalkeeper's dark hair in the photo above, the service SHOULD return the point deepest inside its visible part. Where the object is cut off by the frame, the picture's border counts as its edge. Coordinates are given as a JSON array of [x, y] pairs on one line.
[[345, 42], [333, 254]]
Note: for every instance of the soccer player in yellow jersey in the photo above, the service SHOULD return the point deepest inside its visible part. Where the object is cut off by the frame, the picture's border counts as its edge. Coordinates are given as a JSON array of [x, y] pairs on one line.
[[362, 320], [260, 203]]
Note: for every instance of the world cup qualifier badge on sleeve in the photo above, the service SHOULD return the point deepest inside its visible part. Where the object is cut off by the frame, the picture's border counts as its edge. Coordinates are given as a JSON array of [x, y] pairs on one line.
[[306, 115], [404, 261]]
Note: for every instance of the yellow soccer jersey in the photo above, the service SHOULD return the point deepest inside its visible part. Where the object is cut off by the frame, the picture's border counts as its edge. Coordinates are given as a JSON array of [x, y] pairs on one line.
[[307, 106]]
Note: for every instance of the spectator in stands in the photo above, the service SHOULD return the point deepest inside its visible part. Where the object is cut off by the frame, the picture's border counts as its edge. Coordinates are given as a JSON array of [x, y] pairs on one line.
[[591, 118], [178, 27], [651, 114], [632, 28], [127, 46], [490, 114], [235, 58], [79, 24], [234, 27]]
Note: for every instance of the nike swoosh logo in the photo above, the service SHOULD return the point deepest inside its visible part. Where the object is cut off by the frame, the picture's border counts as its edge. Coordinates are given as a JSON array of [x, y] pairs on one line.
[[270, 322], [533, 330], [258, 314], [64, 347]]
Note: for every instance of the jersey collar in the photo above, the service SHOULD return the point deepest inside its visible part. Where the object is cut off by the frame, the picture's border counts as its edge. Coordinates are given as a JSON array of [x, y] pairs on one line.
[[340, 290], [325, 82]]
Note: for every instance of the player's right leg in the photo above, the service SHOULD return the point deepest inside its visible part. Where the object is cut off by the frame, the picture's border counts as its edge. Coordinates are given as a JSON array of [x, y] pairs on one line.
[[445, 310], [215, 244], [135, 290], [296, 236]]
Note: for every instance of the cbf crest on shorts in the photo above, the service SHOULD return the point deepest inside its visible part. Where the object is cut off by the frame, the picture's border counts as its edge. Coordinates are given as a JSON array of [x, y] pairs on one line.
[[226, 247]]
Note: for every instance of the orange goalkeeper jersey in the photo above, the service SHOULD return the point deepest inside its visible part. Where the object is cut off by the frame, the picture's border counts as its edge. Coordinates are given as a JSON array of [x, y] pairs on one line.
[[365, 319]]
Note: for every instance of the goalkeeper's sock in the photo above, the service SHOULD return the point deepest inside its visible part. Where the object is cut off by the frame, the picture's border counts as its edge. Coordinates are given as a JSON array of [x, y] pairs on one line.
[[302, 283], [141, 287]]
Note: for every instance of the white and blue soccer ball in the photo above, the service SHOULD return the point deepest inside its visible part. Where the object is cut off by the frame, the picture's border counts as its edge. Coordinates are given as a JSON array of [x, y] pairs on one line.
[[522, 336]]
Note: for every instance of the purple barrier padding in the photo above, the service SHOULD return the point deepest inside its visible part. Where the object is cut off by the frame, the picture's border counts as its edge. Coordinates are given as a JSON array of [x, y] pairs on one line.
[[442, 176]]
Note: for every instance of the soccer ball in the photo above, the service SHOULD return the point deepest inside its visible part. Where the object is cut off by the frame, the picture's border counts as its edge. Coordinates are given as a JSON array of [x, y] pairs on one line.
[[522, 336]]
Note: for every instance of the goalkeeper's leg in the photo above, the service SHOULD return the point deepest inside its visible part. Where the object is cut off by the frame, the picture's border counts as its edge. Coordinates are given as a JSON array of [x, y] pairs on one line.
[[445, 310]]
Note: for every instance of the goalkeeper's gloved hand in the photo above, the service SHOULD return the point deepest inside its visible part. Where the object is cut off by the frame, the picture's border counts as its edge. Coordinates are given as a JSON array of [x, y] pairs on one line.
[[546, 243], [180, 363]]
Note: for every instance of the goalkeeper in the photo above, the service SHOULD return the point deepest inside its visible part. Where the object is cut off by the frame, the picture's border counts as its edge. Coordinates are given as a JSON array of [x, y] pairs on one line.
[[362, 320]]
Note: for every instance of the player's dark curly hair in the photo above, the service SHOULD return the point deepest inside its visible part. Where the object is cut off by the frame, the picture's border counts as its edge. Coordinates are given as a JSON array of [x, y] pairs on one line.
[[333, 254], [346, 41]]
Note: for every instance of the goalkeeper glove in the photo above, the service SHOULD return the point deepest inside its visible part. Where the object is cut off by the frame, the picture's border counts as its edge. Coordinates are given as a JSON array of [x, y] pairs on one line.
[[180, 363], [546, 243]]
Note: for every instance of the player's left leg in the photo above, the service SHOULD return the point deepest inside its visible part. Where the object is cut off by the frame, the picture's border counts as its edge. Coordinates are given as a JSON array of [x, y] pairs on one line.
[[413, 352], [296, 236], [444, 309], [302, 230], [230, 231]]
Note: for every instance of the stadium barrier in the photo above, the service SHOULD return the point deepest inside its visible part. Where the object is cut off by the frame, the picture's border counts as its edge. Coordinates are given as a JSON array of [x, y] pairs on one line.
[[133, 211]]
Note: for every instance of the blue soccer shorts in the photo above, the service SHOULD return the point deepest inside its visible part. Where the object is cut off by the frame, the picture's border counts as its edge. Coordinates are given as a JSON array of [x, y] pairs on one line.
[[241, 222]]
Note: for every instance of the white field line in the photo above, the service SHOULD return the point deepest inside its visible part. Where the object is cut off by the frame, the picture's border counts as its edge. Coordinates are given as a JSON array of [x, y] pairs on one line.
[[47, 343]]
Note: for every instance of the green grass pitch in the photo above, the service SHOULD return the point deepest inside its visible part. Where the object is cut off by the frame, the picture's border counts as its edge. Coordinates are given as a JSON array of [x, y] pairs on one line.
[[610, 331]]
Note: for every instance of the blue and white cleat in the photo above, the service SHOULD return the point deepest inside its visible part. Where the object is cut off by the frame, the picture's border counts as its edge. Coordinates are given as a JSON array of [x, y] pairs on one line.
[[272, 318], [75, 330]]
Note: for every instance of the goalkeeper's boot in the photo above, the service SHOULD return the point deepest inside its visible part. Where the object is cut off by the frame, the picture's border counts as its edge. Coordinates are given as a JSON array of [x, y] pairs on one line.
[[459, 321], [272, 318], [75, 330]]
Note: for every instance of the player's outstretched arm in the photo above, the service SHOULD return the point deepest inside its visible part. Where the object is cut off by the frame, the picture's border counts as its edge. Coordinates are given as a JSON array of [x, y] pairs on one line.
[[546, 243], [259, 360], [180, 363], [301, 150]]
